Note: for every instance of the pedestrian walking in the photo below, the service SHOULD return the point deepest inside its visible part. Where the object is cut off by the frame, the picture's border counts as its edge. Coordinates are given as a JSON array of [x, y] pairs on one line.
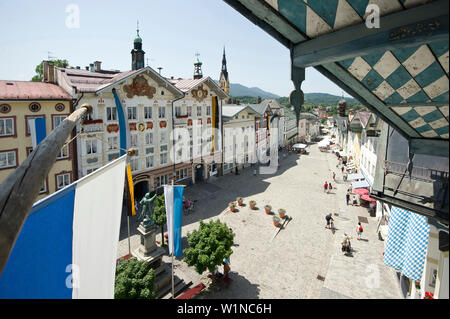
[[342, 168], [347, 197], [330, 187], [355, 202], [226, 267], [328, 218], [334, 176], [325, 187], [359, 230]]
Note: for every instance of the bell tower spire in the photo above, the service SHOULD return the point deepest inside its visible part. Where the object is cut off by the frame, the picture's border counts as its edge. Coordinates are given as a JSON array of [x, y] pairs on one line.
[[224, 82], [137, 54], [198, 74]]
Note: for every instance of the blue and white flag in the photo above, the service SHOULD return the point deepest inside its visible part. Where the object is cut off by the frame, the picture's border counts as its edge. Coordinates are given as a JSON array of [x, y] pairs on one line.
[[67, 247], [407, 242], [124, 129], [37, 130], [173, 196]]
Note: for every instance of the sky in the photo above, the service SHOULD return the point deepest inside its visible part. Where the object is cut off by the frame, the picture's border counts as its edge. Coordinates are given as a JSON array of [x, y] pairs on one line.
[[172, 32]]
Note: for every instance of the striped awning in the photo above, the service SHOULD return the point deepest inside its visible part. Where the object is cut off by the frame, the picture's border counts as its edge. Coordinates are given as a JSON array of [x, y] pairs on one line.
[[360, 184], [407, 242], [353, 177]]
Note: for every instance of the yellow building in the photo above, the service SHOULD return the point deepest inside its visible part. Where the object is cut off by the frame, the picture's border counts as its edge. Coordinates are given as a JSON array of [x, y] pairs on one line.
[[19, 102]]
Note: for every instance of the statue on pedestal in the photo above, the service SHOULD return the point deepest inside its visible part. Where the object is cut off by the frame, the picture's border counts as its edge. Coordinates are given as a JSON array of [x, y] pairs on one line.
[[148, 206]]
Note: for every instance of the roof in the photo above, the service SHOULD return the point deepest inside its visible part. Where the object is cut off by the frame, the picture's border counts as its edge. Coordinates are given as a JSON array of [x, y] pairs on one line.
[[272, 103], [24, 90], [96, 82], [230, 110], [364, 117], [186, 85], [401, 76]]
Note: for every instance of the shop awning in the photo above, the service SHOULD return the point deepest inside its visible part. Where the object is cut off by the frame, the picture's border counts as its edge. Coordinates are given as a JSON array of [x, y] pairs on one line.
[[299, 146], [360, 184], [354, 177]]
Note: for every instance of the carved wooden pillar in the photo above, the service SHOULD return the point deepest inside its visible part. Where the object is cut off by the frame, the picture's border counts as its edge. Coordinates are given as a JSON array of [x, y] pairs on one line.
[[296, 97]]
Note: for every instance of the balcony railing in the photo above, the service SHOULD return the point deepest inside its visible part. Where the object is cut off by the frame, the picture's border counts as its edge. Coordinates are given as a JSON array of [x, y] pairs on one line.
[[92, 125], [417, 171], [180, 119]]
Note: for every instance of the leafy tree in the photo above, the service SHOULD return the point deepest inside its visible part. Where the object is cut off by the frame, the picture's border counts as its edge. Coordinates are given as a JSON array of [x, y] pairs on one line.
[[134, 280], [208, 246], [159, 214], [40, 69]]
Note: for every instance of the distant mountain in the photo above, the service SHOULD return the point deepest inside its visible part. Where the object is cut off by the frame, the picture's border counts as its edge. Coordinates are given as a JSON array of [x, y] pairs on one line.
[[237, 89], [327, 99]]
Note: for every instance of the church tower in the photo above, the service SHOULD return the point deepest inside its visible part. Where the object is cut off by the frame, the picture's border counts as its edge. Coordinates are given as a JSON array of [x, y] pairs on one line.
[[137, 54], [224, 83], [198, 74]]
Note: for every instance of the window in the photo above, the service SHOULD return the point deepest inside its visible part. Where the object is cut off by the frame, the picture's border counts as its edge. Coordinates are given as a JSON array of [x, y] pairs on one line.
[[132, 113], [208, 110], [90, 170], [199, 111], [148, 113], [161, 112], [134, 140], [62, 180], [134, 164], [7, 127], [111, 114], [64, 153], [113, 143], [57, 119], [182, 174], [91, 146], [149, 161], [433, 277], [43, 190], [189, 110], [148, 138], [162, 180], [163, 158], [34, 107], [8, 159], [163, 137], [178, 111]]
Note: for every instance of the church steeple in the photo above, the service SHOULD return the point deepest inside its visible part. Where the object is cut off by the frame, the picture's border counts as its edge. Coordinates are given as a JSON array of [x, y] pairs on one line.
[[224, 82], [198, 74], [137, 54]]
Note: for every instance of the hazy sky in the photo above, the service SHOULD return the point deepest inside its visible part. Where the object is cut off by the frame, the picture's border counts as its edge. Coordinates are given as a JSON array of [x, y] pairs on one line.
[[172, 32]]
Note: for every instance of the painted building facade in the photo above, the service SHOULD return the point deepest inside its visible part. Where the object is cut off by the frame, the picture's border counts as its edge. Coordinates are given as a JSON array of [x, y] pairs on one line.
[[21, 101]]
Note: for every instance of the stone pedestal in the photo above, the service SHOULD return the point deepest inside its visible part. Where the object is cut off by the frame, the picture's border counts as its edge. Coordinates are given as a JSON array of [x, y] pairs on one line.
[[148, 251]]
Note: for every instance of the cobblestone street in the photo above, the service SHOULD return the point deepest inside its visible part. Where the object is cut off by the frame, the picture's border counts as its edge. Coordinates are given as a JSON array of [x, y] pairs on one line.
[[289, 265]]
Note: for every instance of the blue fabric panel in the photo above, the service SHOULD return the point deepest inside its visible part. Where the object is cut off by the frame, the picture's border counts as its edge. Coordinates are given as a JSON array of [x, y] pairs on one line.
[[420, 96], [359, 6], [398, 78], [372, 80], [122, 125], [325, 9], [430, 74], [177, 220], [36, 268], [40, 129]]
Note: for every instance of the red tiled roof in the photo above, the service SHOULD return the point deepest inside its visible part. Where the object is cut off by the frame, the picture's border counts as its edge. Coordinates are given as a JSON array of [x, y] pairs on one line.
[[24, 90], [364, 117]]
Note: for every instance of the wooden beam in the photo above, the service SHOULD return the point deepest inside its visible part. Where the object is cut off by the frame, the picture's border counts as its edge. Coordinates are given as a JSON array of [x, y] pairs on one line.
[[408, 28], [20, 189]]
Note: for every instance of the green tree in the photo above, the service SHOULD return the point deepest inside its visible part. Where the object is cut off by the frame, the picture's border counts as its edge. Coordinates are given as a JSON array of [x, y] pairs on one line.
[[134, 280], [208, 246], [159, 214], [40, 69]]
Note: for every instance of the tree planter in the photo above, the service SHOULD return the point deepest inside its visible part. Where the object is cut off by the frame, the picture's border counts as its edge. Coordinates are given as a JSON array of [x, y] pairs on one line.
[[232, 206], [252, 204], [276, 221], [268, 209], [240, 201], [282, 212]]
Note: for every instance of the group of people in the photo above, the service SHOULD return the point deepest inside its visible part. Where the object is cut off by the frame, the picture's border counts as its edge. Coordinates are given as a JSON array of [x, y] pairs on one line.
[[327, 187]]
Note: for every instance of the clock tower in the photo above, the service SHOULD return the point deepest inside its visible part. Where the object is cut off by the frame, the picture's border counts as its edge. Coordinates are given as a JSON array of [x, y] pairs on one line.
[[137, 54]]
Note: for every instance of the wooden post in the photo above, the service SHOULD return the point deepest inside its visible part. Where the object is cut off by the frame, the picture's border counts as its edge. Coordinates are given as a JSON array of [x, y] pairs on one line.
[[20, 189]]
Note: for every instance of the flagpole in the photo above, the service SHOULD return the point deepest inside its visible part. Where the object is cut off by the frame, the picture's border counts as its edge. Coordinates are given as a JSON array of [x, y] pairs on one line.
[[173, 216]]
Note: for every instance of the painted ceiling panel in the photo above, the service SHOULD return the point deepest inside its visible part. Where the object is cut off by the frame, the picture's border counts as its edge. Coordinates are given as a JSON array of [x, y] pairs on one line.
[[408, 86]]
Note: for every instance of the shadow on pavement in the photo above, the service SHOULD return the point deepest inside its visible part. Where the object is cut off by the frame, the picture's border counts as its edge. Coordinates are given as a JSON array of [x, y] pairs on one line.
[[238, 288]]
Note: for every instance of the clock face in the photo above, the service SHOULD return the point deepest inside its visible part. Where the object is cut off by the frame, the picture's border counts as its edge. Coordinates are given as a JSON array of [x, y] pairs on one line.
[[199, 93]]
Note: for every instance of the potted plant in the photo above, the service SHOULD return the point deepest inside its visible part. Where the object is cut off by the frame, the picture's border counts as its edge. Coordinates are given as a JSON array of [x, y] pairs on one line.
[[252, 204], [232, 206], [282, 212], [428, 295], [268, 209], [240, 201], [276, 221]]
